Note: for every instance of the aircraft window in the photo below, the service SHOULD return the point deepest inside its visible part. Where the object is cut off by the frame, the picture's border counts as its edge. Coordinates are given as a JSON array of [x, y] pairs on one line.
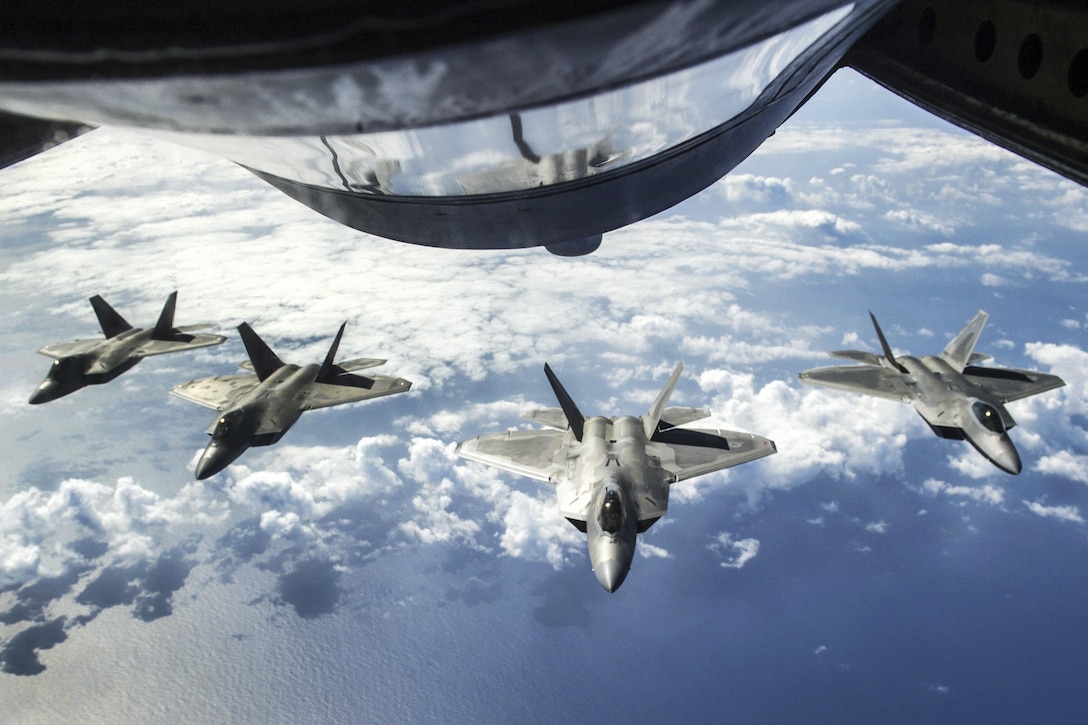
[[226, 425], [1078, 74], [985, 41], [611, 518], [1031, 56], [988, 416], [68, 363]]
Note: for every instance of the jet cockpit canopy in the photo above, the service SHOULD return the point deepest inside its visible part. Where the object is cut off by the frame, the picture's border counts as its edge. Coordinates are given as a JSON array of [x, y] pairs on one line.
[[988, 416]]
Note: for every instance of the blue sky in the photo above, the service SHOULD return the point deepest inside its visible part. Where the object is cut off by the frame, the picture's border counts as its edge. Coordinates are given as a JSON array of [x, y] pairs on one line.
[[357, 570]]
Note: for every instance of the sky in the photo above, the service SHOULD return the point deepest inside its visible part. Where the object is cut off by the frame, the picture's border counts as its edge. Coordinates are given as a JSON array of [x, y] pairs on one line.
[[359, 571]]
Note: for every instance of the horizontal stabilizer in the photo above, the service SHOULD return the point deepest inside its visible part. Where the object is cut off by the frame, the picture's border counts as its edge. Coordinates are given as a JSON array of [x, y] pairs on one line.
[[548, 417], [679, 415], [359, 363], [858, 356]]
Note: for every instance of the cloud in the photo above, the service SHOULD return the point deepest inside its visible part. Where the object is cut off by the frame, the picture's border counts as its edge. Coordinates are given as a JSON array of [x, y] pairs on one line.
[[649, 551], [41, 532], [988, 493], [748, 190], [815, 431], [1062, 513], [534, 530], [736, 553], [436, 519], [1071, 364], [920, 221]]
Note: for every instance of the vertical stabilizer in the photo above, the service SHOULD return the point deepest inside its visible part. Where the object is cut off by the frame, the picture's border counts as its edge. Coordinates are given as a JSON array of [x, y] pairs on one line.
[[164, 328], [653, 416], [112, 324], [327, 367], [958, 352], [570, 410], [264, 360], [885, 346]]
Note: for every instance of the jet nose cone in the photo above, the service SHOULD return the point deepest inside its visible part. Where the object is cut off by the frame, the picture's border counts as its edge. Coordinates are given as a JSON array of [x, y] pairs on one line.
[[610, 574], [1009, 461], [46, 391], [211, 462]]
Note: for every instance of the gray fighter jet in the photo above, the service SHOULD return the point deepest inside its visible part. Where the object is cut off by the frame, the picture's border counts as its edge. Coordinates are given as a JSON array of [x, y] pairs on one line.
[[258, 409], [612, 475], [958, 399], [80, 363]]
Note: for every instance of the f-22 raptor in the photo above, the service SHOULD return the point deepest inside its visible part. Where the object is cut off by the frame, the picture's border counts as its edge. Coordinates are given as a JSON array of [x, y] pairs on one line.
[[612, 475], [258, 409], [80, 363], [958, 399]]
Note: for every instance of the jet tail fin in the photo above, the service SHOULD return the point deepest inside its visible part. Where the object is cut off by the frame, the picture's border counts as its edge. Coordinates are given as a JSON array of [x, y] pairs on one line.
[[265, 362], [109, 320], [885, 346], [328, 368], [653, 416], [570, 410], [960, 351], [164, 328]]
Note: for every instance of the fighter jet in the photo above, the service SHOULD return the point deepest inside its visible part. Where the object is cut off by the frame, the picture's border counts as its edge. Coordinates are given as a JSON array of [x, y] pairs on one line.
[[612, 475], [80, 363], [958, 399], [259, 408]]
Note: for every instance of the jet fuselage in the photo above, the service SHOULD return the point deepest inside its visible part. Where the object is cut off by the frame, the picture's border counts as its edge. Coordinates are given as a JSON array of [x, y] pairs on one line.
[[629, 491], [68, 374], [275, 403], [954, 407]]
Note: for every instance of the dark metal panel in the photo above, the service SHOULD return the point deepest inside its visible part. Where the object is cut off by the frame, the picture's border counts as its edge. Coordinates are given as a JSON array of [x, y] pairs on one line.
[[1012, 71]]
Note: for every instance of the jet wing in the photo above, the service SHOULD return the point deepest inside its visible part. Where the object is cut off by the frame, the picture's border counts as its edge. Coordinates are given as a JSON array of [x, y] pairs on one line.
[[684, 461], [222, 391], [161, 347], [881, 382], [538, 454], [326, 395], [71, 347], [347, 366], [1007, 384]]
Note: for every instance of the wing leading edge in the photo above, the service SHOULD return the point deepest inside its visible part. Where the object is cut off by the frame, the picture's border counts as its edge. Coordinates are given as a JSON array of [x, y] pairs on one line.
[[684, 461], [536, 454], [878, 381]]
